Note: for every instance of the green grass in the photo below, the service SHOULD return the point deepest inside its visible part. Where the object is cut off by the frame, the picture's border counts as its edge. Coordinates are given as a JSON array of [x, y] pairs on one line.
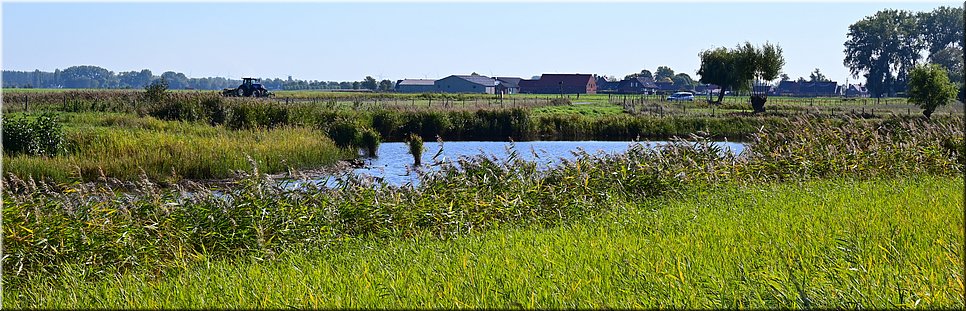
[[122, 145], [588, 109], [823, 244]]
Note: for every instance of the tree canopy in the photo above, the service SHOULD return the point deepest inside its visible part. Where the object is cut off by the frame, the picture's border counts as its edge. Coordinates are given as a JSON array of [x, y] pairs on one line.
[[929, 88], [885, 46], [738, 68]]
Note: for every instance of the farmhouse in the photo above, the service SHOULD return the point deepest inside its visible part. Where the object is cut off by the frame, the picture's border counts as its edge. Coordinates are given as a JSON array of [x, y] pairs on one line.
[[466, 84], [508, 85], [604, 86], [415, 86], [856, 90], [636, 85], [560, 84], [806, 89]]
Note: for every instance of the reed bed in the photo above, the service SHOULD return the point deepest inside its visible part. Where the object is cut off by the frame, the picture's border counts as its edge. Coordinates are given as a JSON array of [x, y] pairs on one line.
[[124, 147], [147, 228]]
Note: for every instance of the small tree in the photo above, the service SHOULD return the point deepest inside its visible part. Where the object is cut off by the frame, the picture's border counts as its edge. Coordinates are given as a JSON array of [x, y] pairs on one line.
[[742, 68], [929, 88], [157, 90]]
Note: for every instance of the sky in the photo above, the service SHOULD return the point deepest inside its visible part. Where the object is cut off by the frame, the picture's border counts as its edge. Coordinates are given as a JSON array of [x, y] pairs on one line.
[[348, 41]]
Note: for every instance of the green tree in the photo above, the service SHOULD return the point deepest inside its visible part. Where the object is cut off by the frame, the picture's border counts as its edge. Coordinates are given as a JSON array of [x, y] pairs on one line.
[[817, 76], [883, 48], [663, 72], [785, 77], [644, 74], [929, 88], [157, 90], [356, 85], [683, 81], [369, 83], [742, 67], [385, 85], [941, 28]]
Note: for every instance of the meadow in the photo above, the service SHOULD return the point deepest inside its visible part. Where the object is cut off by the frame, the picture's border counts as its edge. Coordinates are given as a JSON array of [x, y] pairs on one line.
[[825, 209], [850, 214]]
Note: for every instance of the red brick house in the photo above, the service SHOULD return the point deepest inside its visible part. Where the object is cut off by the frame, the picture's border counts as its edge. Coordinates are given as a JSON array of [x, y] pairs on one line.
[[560, 84]]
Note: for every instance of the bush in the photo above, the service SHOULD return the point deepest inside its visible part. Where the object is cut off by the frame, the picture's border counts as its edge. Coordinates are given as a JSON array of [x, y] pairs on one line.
[[369, 140], [343, 134], [43, 136], [157, 91], [415, 143]]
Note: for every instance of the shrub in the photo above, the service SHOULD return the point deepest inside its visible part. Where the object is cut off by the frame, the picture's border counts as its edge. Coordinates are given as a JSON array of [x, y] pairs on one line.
[[17, 135], [43, 136], [369, 140], [415, 143], [157, 91], [343, 133]]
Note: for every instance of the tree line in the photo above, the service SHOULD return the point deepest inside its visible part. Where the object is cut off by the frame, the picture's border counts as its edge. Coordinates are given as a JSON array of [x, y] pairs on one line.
[[84, 77], [886, 46]]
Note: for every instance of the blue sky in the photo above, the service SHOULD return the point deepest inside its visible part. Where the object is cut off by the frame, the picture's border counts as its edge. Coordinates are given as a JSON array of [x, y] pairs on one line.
[[347, 41]]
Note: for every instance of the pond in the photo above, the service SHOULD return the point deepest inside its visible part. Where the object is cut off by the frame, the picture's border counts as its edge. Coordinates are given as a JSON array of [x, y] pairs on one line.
[[394, 163]]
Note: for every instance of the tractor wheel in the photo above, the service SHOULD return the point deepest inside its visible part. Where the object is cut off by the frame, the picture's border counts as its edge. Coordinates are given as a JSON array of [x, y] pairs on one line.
[[240, 92]]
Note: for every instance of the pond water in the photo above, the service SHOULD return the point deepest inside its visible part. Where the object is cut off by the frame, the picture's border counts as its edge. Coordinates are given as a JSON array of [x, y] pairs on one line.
[[394, 164]]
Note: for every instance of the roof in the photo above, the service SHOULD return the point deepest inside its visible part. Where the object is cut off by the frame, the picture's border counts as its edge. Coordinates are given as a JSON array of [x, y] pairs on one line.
[[427, 82], [787, 86], [509, 81], [549, 79], [481, 80], [646, 82]]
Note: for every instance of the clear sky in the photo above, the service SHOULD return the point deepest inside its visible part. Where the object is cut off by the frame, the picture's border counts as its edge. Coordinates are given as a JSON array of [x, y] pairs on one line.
[[347, 41]]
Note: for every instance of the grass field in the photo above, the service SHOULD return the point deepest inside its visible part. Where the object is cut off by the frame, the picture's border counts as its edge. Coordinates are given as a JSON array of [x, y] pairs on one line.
[[824, 244], [124, 146]]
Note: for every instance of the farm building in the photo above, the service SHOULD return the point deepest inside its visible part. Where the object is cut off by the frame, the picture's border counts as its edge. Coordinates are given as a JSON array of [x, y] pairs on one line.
[[705, 88], [508, 85], [806, 89], [604, 86], [467, 84], [560, 84], [415, 86], [668, 87], [856, 90], [636, 85]]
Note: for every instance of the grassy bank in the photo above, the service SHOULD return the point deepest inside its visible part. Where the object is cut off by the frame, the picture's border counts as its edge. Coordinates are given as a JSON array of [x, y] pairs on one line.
[[826, 244], [125, 146]]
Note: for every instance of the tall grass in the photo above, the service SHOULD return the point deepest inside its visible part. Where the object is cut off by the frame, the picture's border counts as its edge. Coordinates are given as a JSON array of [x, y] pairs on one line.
[[47, 226], [829, 244], [124, 147]]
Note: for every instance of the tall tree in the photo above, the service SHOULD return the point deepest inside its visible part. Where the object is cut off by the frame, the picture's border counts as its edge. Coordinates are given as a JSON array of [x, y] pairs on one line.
[[683, 81], [941, 28], [883, 48], [369, 83], [663, 72], [817, 76], [718, 68], [385, 85]]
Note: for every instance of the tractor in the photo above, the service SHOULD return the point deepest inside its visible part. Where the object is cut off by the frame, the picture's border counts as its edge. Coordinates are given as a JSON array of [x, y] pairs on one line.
[[248, 88]]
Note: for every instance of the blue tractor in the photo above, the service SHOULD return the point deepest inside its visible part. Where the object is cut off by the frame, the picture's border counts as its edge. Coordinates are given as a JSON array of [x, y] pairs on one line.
[[248, 88]]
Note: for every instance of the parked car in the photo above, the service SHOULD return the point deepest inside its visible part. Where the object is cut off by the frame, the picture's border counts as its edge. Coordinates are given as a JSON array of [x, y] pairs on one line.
[[681, 96]]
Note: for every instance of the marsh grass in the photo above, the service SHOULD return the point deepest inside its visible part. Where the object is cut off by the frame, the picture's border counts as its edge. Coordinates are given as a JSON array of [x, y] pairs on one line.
[[123, 146], [47, 225], [838, 243]]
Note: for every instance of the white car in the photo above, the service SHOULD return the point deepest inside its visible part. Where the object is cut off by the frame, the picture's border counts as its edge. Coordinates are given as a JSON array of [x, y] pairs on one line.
[[688, 96]]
